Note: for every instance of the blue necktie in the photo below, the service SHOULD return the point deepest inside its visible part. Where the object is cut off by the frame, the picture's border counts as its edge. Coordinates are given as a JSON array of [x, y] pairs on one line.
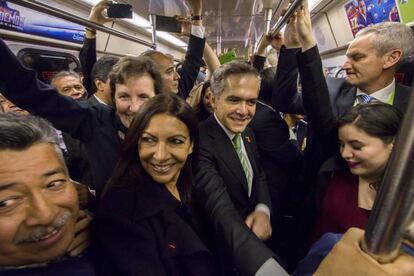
[[364, 99]]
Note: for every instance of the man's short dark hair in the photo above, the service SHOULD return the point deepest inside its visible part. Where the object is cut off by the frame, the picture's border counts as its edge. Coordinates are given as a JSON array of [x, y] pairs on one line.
[[101, 69]]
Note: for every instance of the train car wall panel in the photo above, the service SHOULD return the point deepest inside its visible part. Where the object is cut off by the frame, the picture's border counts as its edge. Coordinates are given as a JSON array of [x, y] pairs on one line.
[[339, 23], [323, 34]]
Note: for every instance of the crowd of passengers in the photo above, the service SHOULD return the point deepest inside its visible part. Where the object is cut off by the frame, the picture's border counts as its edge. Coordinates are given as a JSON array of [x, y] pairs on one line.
[[142, 167]]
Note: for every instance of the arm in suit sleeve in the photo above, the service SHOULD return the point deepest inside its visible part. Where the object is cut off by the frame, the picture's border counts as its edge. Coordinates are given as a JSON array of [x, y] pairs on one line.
[[285, 96], [259, 62], [191, 65], [316, 100], [260, 180], [21, 87], [272, 136], [87, 58], [249, 252]]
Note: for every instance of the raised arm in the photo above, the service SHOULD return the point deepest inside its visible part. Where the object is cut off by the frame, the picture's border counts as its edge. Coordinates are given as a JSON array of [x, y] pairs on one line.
[[211, 60], [87, 54], [315, 90], [21, 87], [193, 57], [259, 57], [285, 95]]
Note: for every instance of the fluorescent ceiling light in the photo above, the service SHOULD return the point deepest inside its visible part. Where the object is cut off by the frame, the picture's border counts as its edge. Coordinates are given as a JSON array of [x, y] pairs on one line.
[[313, 3], [172, 39], [143, 23]]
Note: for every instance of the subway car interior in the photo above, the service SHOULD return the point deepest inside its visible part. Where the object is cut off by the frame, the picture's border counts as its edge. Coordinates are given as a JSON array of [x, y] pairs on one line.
[[195, 137]]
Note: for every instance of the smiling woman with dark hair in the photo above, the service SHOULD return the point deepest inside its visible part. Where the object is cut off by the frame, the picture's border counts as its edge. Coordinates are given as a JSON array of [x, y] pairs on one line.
[[146, 224]]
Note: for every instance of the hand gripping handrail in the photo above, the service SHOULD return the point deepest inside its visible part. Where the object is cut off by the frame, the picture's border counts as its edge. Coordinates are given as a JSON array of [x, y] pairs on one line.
[[35, 5], [279, 25]]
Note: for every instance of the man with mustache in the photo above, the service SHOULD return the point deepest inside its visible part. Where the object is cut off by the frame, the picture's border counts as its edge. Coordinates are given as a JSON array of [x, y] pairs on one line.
[[39, 208], [230, 182]]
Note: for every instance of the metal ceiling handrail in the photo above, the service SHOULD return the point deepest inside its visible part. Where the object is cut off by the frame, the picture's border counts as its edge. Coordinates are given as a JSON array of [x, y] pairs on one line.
[[393, 209], [279, 25], [35, 5]]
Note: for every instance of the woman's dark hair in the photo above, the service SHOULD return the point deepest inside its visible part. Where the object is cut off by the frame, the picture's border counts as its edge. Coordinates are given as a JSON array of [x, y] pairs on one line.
[[128, 67], [377, 119], [128, 172]]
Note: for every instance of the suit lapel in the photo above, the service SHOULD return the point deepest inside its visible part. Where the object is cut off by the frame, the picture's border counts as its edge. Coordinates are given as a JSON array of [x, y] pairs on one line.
[[345, 100], [402, 94], [225, 151], [247, 140]]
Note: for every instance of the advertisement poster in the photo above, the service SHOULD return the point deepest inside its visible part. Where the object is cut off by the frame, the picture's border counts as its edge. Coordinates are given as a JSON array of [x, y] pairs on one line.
[[362, 13], [406, 8], [16, 18]]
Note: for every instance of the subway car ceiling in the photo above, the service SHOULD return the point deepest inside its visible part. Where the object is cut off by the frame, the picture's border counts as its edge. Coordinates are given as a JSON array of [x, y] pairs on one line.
[[231, 25]]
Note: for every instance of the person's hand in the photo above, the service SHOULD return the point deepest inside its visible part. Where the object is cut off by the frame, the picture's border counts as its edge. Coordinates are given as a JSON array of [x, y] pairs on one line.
[[196, 6], [97, 15], [347, 258], [259, 223], [185, 24], [277, 41], [82, 233], [262, 45], [83, 194], [304, 27], [291, 36]]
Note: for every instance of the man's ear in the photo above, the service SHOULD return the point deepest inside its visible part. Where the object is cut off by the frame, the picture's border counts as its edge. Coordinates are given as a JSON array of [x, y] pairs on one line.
[[391, 58], [212, 99], [99, 85]]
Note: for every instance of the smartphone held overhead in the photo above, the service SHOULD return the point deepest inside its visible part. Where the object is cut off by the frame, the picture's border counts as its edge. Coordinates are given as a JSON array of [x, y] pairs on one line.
[[119, 10], [167, 24]]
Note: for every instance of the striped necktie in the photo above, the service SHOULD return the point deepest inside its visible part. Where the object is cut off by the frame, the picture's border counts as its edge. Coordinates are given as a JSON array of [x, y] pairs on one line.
[[237, 140], [364, 99]]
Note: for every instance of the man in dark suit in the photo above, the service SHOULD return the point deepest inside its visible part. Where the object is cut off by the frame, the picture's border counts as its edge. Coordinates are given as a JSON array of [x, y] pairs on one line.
[[230, 182], [372, 60]]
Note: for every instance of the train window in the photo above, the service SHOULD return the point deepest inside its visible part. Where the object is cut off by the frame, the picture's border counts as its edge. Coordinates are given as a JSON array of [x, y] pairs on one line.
[[48, 63]]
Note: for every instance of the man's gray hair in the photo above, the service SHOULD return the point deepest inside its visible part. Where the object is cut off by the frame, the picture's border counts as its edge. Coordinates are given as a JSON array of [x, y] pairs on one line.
[[218, 80], [62, 74], [390, 36], [19, 132]]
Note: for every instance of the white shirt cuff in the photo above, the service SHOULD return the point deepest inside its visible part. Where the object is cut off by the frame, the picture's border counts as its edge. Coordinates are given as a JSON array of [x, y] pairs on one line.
[[263, 208], [271, 267], [197, 31]]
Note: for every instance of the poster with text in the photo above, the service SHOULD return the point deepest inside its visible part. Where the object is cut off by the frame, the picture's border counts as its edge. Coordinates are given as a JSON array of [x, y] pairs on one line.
[[363, 13], [20, 19]]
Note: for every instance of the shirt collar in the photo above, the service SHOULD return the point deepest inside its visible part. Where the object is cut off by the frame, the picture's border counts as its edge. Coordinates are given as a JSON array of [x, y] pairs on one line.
[[228, 132], [382, 95], [99, 100]]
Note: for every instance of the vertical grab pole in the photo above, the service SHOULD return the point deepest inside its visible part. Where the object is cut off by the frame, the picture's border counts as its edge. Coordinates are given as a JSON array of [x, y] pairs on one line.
[[153, 20], [268, 18], [291, 9], [394, 205]]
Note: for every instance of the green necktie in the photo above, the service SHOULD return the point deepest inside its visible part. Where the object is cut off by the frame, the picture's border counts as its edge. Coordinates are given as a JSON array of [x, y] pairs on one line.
[[237, 140]]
